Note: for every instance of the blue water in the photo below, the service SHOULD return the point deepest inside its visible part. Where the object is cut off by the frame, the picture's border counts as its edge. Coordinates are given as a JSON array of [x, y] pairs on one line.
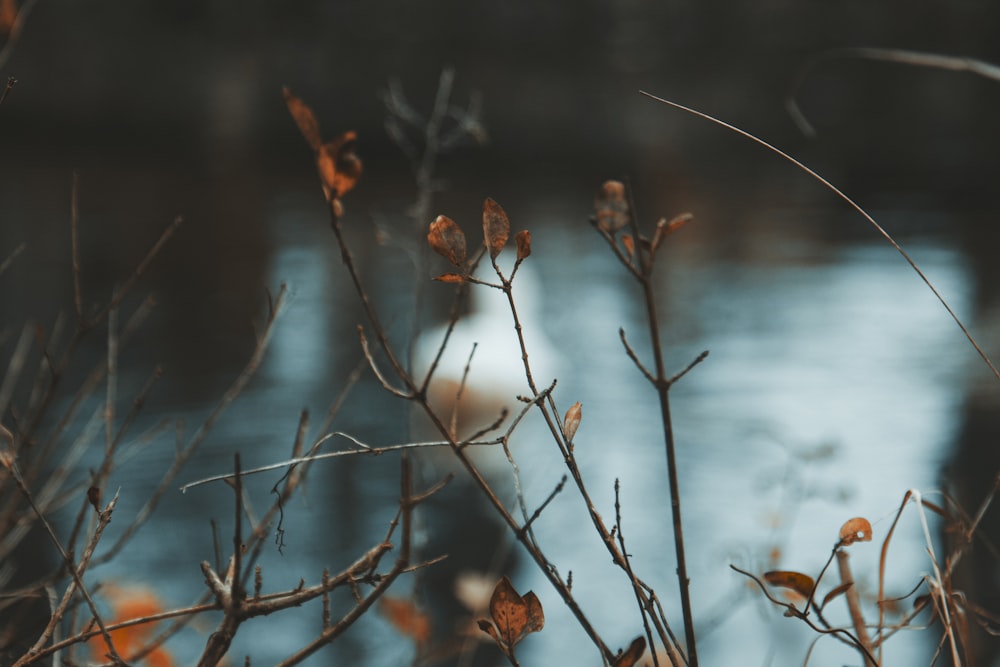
[[831, 388]]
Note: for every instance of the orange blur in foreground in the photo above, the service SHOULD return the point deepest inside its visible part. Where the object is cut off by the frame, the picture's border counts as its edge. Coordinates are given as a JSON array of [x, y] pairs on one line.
[[127, 604]]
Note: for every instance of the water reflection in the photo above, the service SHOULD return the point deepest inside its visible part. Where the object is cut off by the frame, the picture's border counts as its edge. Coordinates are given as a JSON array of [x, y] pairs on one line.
[[832, 387]]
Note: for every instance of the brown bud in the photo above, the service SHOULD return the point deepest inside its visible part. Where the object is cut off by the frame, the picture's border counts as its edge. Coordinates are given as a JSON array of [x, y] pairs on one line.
[[611, 207], [523, 241], [94, 496], [571, 422]]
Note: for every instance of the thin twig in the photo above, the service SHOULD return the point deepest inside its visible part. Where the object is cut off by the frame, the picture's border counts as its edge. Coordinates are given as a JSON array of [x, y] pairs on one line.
[[850, 202]]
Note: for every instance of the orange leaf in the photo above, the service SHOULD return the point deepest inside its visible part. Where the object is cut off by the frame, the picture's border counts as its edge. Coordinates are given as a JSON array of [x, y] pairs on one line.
[[339, 167], [513, 616], [664, 228], [854, 530], [632, 654], [536, 617], [446, 239], [304, 118], [800, 583], [450, 278], [496, 227], [611, 207], [523, 241], [405, 617], [571, 421]]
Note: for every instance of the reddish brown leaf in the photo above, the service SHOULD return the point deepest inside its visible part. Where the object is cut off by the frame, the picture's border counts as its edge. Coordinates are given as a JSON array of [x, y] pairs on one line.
[[611, 207], [632, 654], [304, 118], [664, 228], [339, 167], [488, 628], [446, 239], [496, 227], [802, 584], [571, 421], [854, 530], [536, 617], [523, 241], [450, 278], [405, 617], [513, 616]]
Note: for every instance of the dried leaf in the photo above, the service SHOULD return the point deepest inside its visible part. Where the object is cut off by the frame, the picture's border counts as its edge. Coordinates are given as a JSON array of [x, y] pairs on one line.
[[446, 239], [629, 245], [839, 590], [571, 421], [514, 616], [536, 617], [611, 207], [304, 118], [632, 654], [407, 618], [854, 530], [339, 166], [488, 628], [796, 581], [496, 227], [450, 278], [523, 241], [664, 228]]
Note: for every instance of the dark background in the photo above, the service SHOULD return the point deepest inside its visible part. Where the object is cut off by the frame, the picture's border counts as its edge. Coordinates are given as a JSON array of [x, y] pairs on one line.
[[175, 108]]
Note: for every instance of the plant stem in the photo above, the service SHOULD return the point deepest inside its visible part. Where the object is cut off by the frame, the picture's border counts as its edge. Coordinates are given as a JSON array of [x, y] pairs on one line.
[[663, 391]]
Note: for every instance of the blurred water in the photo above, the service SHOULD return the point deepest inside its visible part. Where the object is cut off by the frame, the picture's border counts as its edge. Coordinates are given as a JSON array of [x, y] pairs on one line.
[[831, 388]]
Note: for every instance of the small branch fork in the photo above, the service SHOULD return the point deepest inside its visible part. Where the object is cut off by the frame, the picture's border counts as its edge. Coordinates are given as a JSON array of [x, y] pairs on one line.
[[237, 606]]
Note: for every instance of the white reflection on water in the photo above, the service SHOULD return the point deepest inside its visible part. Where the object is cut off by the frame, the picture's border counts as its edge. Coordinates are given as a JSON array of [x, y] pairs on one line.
[[841, 347]]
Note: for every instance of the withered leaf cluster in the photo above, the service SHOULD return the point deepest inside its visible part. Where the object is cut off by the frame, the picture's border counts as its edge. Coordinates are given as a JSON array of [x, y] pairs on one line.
[[447, 239], [338, 165]]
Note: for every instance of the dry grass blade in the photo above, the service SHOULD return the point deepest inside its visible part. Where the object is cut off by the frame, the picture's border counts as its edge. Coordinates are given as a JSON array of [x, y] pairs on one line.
[[850, 202]]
